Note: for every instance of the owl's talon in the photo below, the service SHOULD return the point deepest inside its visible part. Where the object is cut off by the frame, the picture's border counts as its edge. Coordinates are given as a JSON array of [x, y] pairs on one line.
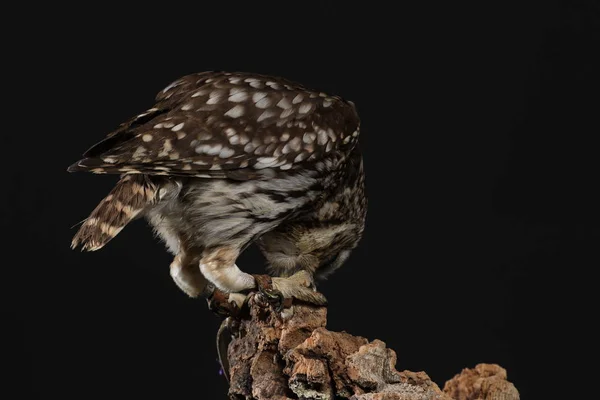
[[270, 295], [300, 195], [274, 298], [300, 287], [220, 304]]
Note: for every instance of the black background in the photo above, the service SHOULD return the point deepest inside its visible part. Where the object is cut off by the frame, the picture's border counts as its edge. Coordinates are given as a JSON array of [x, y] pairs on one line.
[[478, 120]]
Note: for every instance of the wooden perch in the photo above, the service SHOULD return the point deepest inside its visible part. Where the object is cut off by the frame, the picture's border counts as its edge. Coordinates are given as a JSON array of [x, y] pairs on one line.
[[291, 355]]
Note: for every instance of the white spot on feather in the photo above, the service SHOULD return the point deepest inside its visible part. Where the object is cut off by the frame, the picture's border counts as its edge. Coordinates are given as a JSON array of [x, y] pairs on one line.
[[214, 150], [147, 137], [331, 135], [215, 97], [200, 92], [298, 99], [265, 162], [171, 86], [177, 127], [244, 138], [258, 96], [211, 150], [226, 152], [237, 95], [295, 144], [235, 112], [322, 137], [230, 131], [263, 103], [304, 108], [286, 113], [266, 114], [300, 157], [249, 147], [284, 103], [309, 137]]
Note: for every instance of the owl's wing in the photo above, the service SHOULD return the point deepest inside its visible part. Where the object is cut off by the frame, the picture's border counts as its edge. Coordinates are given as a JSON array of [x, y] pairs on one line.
[[217, 124]]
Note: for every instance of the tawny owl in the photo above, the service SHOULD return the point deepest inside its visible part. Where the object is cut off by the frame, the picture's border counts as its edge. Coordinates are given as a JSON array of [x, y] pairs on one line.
[[224, 160]]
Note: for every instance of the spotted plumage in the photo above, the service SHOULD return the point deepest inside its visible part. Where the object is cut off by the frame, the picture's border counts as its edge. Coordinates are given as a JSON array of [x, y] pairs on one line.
[[214, 123], [223, 160]]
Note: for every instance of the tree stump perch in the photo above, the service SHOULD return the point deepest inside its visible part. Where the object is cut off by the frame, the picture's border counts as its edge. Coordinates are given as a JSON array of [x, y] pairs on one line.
[[290, 355]]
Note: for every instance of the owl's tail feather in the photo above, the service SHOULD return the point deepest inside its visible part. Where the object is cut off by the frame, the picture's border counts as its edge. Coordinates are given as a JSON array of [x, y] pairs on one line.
[[131, 195]]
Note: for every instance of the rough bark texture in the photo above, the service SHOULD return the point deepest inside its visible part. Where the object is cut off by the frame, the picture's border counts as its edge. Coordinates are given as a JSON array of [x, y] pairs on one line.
[[485, 381], [292, 356]]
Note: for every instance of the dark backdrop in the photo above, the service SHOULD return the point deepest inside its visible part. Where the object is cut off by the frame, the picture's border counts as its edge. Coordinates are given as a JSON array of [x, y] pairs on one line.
[[477, 128]]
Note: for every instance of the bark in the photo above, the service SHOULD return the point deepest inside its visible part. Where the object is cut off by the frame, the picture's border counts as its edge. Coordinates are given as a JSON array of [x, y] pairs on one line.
[[290, 355], [485, 381]]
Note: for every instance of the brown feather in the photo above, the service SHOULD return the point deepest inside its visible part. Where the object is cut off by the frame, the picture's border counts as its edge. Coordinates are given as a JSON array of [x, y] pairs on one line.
[[131, 195], [206, 124]]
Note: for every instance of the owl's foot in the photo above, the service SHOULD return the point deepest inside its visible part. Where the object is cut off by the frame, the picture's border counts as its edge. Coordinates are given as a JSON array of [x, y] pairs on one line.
[[299, 286], [267, 294], [226, 304]]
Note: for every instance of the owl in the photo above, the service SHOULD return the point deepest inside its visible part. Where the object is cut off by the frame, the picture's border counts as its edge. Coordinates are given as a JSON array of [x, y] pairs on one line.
[[224, 160]]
